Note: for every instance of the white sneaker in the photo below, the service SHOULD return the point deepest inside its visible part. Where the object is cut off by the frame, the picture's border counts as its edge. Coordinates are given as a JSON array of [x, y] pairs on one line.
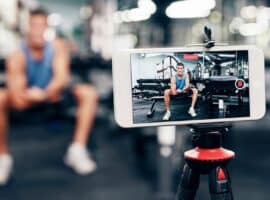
[[192, 112], [167, 116], [6, 164], [79, 159]]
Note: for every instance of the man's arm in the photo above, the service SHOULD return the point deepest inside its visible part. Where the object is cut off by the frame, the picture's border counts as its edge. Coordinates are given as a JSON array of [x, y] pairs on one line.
[[187, 84], [20, 95], [16, 78], [173, 85], [61, 72]]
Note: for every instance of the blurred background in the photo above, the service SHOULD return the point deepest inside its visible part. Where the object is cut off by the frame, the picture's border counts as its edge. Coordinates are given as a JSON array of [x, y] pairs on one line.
[[140, 163]]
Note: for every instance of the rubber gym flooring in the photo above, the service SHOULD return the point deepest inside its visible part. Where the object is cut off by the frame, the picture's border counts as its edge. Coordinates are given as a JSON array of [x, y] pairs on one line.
[[179, 111], [40, 174]]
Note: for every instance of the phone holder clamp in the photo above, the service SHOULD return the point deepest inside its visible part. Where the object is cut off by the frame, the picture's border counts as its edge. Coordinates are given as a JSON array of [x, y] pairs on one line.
[[208, 41]]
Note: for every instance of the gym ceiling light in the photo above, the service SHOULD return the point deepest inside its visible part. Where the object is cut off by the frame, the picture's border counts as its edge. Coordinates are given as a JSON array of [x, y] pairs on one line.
[[190, 8], [145, 9]]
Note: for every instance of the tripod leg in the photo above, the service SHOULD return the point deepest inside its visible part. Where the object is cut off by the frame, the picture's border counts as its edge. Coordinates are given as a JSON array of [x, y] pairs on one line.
[[220, 184], [189, 184]]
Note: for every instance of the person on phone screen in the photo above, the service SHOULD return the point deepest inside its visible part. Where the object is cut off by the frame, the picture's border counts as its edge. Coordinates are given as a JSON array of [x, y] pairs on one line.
[[180, 84]]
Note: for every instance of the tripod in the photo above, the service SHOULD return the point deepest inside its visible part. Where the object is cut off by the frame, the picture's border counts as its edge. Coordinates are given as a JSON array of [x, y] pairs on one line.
[[207, 158]]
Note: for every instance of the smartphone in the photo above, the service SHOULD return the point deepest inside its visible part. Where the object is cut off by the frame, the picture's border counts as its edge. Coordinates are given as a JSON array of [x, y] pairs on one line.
[[188, 85]]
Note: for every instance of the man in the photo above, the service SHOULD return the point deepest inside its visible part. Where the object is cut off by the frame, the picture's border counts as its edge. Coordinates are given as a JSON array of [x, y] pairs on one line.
[[39, 72], [180, 84]]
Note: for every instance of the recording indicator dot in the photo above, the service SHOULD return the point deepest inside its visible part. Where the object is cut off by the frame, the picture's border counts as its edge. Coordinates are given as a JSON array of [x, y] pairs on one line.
[[240, 84]]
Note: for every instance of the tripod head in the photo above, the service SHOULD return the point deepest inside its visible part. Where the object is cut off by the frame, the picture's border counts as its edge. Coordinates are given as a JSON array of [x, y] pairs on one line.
[[208, 135]]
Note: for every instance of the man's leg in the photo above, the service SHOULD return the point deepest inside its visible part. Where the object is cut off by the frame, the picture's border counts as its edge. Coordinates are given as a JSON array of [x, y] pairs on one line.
[[8, 101], [77, 156], [6, 160], [87, 100], [167, 99], [194, 97], [3, 121], [191, 110]]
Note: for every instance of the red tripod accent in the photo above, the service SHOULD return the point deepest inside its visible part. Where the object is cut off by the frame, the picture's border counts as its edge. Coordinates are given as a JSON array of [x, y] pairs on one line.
[[207, 158]]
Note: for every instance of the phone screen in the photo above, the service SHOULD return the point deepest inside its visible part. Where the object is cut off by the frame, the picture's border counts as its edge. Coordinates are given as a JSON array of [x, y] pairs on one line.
[[179, 86]]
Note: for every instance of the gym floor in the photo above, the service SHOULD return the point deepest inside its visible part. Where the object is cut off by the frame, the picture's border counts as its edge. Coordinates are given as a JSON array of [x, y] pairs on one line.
[[179, 111], [40, 173]]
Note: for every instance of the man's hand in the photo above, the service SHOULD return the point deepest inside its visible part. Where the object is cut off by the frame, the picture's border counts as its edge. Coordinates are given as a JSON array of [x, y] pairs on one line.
[[35, 95], [60, 71], [53, 92], [179, 91]]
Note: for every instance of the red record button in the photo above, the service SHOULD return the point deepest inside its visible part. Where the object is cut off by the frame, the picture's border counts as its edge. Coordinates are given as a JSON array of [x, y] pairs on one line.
[[240, 84]]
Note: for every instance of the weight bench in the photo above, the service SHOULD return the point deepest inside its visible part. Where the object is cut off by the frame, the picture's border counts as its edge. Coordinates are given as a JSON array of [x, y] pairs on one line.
[[155, 99]]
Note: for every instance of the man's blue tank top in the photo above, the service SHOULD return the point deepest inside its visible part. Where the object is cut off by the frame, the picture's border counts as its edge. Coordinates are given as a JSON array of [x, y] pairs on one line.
[[39, 72], [180, 83]]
